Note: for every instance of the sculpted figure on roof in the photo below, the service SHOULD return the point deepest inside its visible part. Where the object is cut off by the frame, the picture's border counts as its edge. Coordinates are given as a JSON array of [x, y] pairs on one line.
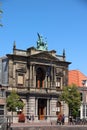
[[41, 45]]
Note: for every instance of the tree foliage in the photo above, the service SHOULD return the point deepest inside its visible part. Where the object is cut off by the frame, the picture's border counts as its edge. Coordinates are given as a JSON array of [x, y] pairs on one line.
[[72, 97], [14, 102]]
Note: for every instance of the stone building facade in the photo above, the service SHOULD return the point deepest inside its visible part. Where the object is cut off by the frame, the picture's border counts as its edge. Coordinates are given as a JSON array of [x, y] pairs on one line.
[[38, 76]]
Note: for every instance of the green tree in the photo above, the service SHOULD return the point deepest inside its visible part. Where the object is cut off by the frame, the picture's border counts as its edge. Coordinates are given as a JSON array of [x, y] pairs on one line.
[[72, 97], [13, 102]]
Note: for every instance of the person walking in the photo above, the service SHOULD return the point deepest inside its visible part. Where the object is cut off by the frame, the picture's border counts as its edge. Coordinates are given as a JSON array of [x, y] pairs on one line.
[[70, 120], [59, 119], [63, 119]]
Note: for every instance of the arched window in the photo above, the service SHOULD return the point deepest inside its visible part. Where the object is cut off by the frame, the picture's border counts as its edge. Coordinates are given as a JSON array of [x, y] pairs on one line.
[[40, 76], [58, 107]]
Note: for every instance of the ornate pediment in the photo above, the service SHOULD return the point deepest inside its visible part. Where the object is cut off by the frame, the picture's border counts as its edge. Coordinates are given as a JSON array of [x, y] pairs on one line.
[[45, 56]]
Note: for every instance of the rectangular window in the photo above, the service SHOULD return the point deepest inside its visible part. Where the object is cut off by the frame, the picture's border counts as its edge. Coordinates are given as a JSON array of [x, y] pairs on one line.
[[83, 111], [86, 111], [2, 93], [1, 109], [58, 82], [81, 96]]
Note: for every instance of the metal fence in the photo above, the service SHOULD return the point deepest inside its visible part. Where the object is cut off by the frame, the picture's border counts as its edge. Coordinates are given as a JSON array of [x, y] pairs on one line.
[[3, 123]]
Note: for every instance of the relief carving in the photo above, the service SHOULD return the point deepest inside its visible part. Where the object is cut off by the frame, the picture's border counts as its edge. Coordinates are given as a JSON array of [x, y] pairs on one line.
[[21, 67]]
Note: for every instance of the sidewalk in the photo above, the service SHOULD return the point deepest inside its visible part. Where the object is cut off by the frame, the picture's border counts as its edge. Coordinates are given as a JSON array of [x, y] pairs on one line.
[[45, 126], [32, 123]]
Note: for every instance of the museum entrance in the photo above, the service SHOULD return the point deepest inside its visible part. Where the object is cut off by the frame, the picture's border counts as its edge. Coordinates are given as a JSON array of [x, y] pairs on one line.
[[42, 109]]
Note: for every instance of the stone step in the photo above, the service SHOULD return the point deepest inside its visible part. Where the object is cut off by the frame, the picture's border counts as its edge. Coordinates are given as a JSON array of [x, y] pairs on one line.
[[31, 124]]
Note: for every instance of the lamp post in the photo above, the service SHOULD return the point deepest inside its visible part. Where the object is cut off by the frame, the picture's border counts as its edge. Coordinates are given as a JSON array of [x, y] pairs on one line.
[[83, 99], [70, 113]]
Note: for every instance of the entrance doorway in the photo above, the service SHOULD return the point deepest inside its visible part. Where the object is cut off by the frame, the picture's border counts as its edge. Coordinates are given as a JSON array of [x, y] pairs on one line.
[[42, 109]]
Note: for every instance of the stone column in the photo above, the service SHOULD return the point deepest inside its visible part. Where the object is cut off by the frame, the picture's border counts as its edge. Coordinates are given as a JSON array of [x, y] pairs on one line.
[[34, 76], [30, 75], [48, 108], [54, 76], [14, 78], [45, 82], [36, 106], [48, 81], [51, 74]]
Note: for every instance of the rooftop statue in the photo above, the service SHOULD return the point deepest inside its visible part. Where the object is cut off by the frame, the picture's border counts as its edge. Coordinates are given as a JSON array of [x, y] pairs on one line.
[[41, 45]]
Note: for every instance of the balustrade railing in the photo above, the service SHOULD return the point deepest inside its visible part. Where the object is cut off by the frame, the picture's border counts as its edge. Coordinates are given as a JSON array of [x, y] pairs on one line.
[[49, 86]]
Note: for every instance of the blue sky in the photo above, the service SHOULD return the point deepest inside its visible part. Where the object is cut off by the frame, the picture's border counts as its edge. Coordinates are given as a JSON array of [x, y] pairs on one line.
[[62, 22]]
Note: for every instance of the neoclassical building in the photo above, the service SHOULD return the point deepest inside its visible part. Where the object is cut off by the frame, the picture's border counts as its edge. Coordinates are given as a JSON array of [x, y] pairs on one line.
[[80, 80], [38, 76]]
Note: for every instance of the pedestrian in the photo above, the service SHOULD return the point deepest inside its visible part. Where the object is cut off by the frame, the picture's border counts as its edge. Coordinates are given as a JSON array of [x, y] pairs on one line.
[[63, 119], [59, 119], [29, 117], [21, 117], [70, 120], [32, 117]]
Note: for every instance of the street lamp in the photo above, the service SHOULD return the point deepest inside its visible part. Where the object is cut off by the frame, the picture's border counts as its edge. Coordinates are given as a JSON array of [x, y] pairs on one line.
[[70, 113], [83, 99]]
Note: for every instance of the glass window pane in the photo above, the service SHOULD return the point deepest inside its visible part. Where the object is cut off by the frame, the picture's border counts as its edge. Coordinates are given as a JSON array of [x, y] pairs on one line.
[[1, 112], [2, 106]]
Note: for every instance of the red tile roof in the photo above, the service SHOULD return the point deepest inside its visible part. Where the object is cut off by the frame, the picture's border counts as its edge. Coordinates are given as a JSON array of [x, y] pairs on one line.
[[76, 77]]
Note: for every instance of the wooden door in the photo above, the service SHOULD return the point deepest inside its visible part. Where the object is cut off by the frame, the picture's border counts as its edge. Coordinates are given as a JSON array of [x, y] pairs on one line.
[[41, 113]]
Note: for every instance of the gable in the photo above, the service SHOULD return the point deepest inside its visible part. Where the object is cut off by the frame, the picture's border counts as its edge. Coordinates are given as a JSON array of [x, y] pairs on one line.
[[45, 56]]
